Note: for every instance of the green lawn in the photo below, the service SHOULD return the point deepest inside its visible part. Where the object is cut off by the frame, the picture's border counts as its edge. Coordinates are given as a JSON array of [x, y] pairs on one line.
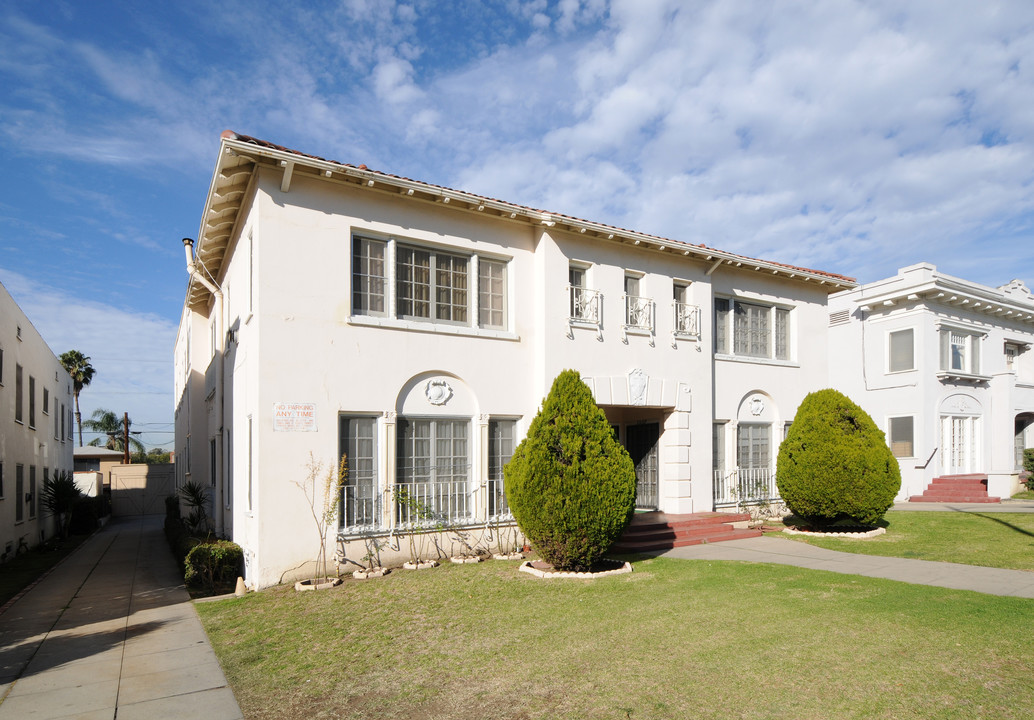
[[17, 573], [1024, 495], [675, 639], [1001, 540]]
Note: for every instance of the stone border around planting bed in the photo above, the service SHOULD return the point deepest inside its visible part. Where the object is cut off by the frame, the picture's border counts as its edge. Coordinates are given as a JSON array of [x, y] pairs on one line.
[[849, 535], [526, 567]]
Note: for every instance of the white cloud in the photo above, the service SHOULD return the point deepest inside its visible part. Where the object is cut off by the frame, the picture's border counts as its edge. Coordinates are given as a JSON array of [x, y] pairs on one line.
[[130, 351]]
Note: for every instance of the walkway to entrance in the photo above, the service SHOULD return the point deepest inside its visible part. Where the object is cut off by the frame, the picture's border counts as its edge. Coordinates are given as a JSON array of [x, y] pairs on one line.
[[111, 631]]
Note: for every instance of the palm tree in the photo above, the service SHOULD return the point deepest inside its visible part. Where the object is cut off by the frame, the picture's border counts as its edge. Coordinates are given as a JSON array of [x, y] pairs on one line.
[[79, 367], [112, 425]]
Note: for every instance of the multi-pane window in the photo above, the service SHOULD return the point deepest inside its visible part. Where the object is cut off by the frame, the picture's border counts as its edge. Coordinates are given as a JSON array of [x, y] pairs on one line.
[[1012, 351], [369, 278], [752, 330], [753, 446], [901, 350], [32, 401], [901, 434], [718, 447], [19, 493], [584, 303], [434, 467], [19, 415], [960, 351], [32, 492], [491, 294], [360, 506], [431, 285], [638, 310], [500, 450], [576, 280], [687, 317]]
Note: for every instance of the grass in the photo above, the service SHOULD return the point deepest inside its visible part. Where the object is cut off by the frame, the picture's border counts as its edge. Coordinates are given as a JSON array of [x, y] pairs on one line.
[[1001, 540], [674, 639], [20, 571], [1024, 495]]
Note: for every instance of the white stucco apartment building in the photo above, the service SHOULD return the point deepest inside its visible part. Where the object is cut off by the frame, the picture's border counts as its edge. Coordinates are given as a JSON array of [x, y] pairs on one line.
[[35, 428], [335, 309], [944, 367]]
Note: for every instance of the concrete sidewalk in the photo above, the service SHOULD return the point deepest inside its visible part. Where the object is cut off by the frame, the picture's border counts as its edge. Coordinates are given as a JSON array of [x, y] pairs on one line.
[[1016, 583], [111, 630]]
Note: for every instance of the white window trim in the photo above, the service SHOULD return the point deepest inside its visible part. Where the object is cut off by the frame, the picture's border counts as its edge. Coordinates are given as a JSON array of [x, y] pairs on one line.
[[948, 373], [390, 319], [791, 340], [886, 365], [890, 440]]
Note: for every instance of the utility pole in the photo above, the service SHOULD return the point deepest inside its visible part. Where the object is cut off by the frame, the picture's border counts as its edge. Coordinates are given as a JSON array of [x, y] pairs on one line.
[[125, 444]]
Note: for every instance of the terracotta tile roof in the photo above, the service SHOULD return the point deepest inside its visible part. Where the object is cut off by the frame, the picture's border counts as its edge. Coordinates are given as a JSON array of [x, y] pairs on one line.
[[229, 134]]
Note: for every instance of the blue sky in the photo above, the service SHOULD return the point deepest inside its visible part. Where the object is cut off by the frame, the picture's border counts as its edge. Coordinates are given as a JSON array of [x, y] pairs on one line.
[[852, 137]]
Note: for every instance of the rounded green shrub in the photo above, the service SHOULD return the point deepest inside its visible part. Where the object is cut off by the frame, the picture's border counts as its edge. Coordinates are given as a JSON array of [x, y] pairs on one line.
[[835, 464], [213, 564], [570, 485]]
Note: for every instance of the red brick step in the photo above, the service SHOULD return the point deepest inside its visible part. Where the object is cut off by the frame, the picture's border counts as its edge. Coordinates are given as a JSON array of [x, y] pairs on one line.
[[971, 488], [662, 531]]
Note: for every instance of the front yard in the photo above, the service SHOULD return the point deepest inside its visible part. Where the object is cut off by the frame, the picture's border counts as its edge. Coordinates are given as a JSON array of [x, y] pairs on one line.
[[675, 639], [1000, 540]]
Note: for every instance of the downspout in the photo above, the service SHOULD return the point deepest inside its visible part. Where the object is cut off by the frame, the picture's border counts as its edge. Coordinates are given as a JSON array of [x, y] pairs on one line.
[[195, 274]]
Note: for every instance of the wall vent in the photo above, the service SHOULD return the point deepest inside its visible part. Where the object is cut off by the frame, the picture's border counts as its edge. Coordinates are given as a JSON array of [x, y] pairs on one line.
[[840, 317]]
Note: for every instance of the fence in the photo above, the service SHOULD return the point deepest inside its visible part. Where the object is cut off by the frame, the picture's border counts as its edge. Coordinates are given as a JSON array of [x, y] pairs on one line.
[[749, 486]]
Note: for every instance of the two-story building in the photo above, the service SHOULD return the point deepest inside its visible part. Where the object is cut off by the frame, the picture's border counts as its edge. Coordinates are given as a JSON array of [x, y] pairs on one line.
[[35, 428], [335, 309], [944, 367]]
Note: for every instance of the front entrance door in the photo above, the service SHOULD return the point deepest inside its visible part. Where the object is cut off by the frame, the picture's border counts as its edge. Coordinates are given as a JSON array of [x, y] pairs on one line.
[[959, 444], [641, 441]]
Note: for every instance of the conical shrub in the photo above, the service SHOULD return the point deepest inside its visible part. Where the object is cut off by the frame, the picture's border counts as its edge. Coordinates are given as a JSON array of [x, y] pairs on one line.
[[570, 485], [835, 464]]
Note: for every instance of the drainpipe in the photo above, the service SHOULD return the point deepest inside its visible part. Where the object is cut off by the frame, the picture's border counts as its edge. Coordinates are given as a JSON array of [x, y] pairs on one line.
[[195, 273]]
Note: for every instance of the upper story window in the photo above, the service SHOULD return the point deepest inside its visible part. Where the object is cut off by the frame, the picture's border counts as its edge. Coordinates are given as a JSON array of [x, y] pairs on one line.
[[687, 317], [901, 350], [1011, 351], [751, 329], [430, 285], [18, 411], [585, 303], [960, 351], [638, 309], [32, 401], [492, 294]]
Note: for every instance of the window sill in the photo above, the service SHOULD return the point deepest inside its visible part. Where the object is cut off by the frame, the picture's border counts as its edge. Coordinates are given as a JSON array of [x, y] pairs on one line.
[[693, 337], [962, 376], [588, 324], [756, 360], [430, 327], [637, 330]]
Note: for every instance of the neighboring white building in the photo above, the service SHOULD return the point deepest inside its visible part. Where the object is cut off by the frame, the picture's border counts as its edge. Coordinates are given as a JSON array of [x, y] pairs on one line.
[[35, 428], [334, 309], [944, 367]]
